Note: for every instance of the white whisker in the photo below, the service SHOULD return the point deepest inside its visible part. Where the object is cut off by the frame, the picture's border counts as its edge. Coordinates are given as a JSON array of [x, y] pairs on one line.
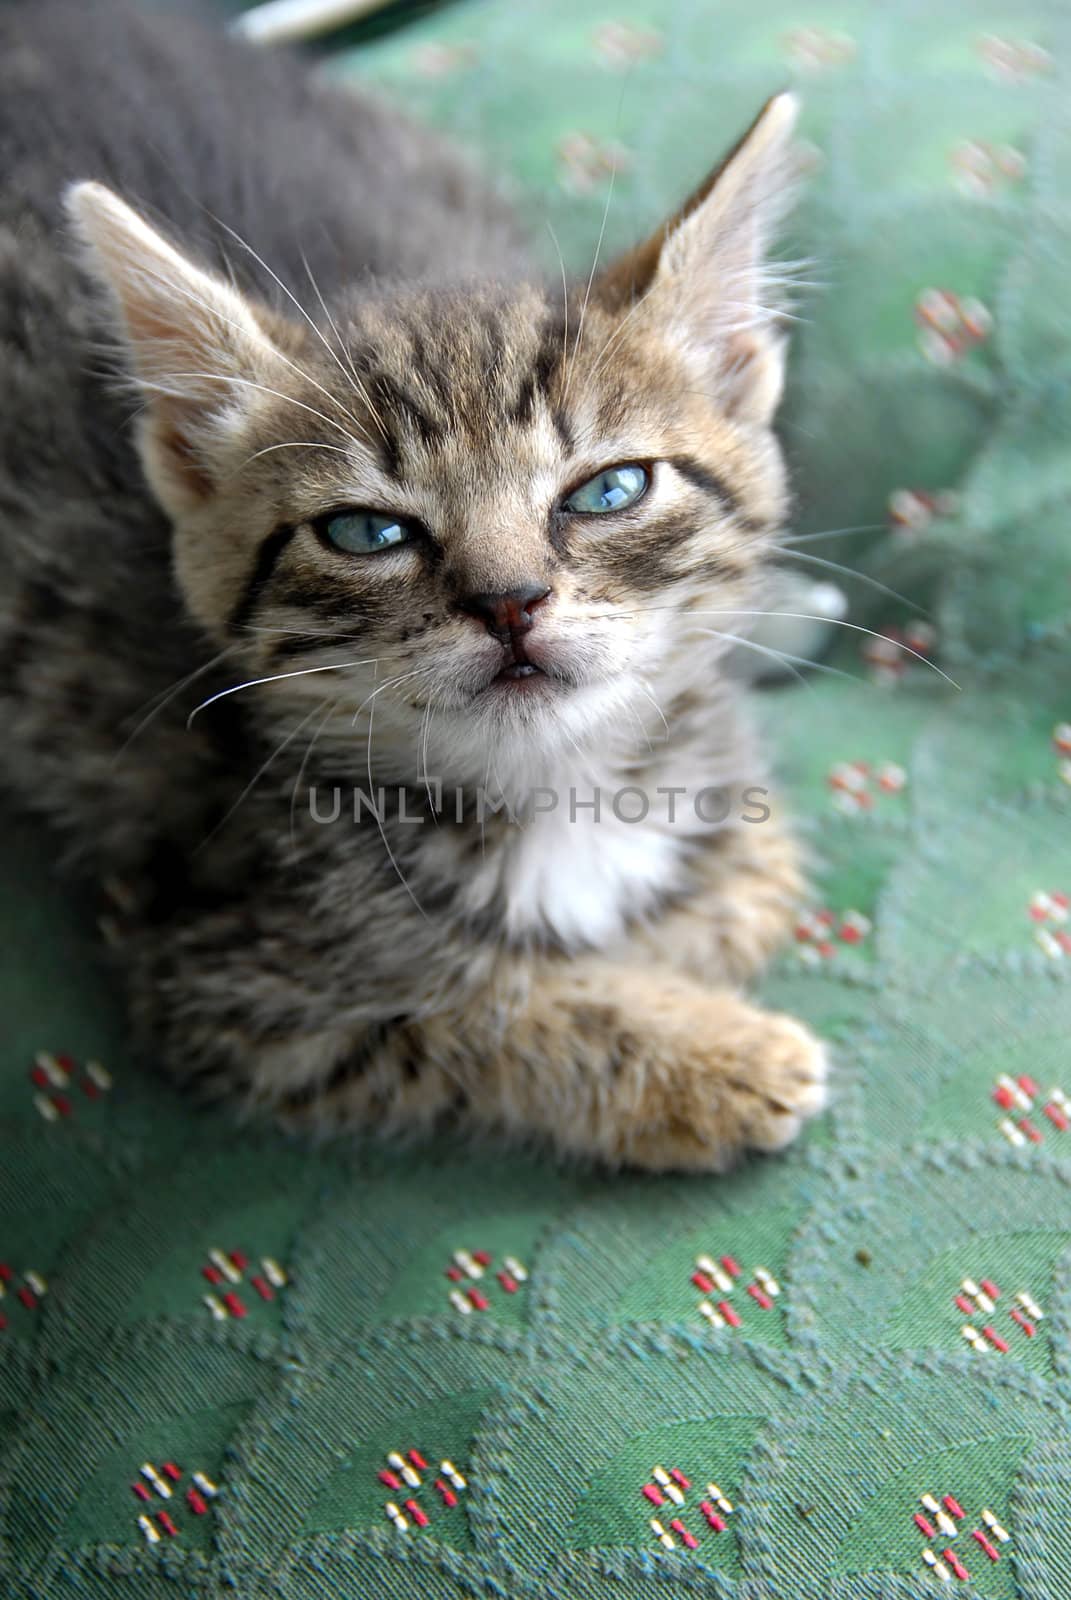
[[798, 616], [255, 779], [850, 572], [565, 295], [246, 383], [591, 279], [645, 689], [790, 661], [391, 683], [291, 444], [217, 315], [168, 696], [292, 297], [833, 533], [276, 677], [355, 377], [333, 706], [371, 790]]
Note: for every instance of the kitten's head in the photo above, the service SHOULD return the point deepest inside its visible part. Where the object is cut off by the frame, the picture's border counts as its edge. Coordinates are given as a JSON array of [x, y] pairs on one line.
[[521, 509]]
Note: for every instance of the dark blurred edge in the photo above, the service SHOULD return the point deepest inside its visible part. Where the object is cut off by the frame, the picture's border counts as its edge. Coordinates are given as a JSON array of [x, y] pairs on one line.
[[390, 18]]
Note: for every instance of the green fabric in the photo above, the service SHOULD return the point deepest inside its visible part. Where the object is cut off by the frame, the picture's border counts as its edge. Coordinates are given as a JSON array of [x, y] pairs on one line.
[[823, 1419]]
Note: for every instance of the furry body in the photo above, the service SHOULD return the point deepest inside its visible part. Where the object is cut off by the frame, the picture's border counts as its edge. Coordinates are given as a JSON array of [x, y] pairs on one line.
[[533, 972]]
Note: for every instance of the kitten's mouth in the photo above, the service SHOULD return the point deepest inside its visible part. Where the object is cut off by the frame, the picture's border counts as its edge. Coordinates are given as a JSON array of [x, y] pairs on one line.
[[519, 669], [523, 677]]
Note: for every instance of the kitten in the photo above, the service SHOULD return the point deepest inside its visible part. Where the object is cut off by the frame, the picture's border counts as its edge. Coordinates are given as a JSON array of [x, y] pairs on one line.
[[389, 513]]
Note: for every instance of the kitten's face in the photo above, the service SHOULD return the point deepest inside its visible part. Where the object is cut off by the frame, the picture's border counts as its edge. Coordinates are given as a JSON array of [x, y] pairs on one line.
[[513, 518], [471, 435]]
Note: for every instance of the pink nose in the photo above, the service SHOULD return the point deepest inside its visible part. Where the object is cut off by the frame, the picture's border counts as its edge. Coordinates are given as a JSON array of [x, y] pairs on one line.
[[506, 615]]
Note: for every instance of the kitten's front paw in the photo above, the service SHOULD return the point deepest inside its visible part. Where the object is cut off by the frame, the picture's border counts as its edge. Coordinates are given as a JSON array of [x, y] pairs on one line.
[[787, 1082], [750, 1083]]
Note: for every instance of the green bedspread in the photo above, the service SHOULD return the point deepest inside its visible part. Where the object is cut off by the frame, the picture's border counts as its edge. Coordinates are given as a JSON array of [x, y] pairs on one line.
[[826, 1435]]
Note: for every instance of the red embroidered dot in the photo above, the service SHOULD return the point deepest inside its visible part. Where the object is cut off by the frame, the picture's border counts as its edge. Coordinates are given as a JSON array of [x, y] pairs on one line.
[[1057, 1118], [995, 1339], [679, 1479], [704, 1284], [1004, 1097], [213, 1274], [484, 1257], [760, 1296], [418, 1460], [479, 1300], [234, 1305], [239, 1260], [731, 1265], [418, 1514], [924, 1526], [509, 1284], [455, 1274], [263, 1288], [28, 1299], [1027, 1084], [951, 1504], [731, 1316], [1024, 1323], [89, 1089], [991, 1551], [172, 1471], [653, 1493], [1031, 1132], [62, 1104], [166, 1523], [966, 1306], [39, 1078], [140, 1490], [196, 1502], [388, 1478]]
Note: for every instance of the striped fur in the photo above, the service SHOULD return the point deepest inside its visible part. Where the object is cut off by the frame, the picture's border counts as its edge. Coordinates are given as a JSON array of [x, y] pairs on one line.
[[522, 970]]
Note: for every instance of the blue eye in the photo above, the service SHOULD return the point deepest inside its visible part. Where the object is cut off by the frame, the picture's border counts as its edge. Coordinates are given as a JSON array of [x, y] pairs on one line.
[[361, 533], [610, 490]]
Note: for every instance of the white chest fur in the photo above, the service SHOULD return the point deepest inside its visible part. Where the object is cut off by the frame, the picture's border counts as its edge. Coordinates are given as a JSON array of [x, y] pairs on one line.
[[579, 880]]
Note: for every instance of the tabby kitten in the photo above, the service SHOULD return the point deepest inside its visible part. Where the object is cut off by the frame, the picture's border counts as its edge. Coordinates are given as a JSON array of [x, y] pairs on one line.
[[385, 547]]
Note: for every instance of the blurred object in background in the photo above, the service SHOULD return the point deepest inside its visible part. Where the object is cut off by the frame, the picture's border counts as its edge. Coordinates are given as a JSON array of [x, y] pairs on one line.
[[279, 21], [795, 630]]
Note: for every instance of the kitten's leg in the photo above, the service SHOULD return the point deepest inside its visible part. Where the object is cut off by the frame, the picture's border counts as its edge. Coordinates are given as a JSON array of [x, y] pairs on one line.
[[748, 887], [626, 1063], [647, 1069]]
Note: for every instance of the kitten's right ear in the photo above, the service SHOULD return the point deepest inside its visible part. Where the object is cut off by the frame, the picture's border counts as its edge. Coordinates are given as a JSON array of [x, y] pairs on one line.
[[702, 277], [196, 345]]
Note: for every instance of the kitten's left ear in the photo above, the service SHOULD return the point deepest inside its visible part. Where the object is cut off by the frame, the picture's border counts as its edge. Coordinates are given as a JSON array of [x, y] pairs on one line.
[[200, 351], [703, 276]]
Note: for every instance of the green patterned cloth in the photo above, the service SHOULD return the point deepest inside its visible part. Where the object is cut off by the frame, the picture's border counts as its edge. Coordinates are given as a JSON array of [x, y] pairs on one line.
[[930, 401]]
